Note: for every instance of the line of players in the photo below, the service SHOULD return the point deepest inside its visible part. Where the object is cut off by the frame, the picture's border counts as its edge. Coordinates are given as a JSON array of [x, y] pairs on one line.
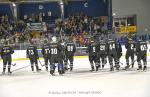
[[98, 53], [55, 53]]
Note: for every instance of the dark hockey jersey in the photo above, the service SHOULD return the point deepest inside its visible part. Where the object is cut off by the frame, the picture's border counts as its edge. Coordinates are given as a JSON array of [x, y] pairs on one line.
[[32, 52], [56, 49], [141, 47], [130, 46], [102, 47], [46, 51], [70, 48], [112, 46], [92, 49], [6, 50], [119, 49]]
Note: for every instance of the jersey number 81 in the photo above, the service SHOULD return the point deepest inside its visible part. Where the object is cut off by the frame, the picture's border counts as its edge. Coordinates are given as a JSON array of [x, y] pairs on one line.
[[70, 48]]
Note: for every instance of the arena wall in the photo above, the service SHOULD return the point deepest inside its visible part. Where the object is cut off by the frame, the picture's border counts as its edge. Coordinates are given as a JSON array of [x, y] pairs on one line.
[[138, 7]]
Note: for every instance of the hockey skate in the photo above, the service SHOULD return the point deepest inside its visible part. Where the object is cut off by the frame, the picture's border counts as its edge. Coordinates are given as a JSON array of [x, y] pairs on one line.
[[92, 69], [132, 66], [71, 68], [102, 66], [9, 73], [38, 69], [111, 69], [139, 68], [47, 69], [97, 67], [3, 73], [117, 67], [145, 68], [60, 72], [52, 72], [66, 68], [63, 71], [32, 68], [126, 67]]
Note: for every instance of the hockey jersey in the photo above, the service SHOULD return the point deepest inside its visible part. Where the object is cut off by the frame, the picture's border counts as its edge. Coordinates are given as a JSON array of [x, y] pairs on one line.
[[32, 52]]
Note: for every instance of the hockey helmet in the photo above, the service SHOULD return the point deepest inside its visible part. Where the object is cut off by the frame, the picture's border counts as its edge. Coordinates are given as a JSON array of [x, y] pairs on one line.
[[54, 38]]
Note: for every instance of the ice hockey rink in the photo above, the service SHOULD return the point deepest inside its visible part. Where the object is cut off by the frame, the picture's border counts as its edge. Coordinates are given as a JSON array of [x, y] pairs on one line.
[[81, 82]]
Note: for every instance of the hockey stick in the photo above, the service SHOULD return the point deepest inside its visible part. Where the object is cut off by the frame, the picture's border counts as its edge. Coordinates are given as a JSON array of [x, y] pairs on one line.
[[119, 65], [137, 59], [40, 63], [13, 64], [120, 62], [134, 61], [20, 68]]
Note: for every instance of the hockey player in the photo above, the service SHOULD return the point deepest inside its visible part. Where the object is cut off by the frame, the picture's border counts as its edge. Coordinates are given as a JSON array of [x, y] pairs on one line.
[[130, 46], [119, 51], [62, 43], [141, 51], [92, 51], [102, 53], [46, 53], [56, 56], [69, 53], [112, 54], [6, 52], [32, 54]]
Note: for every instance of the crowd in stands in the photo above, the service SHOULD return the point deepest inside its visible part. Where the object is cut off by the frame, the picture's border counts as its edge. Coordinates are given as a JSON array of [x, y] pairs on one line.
[[11, 29], [80, 27]]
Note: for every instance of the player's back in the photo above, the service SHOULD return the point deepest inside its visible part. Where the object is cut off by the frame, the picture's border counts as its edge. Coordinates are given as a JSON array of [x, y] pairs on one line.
[[32, 51], [130, 45], [142, 46], [102, 47], [111, 45], [46, 49], [70, 47], [6, 50], [55, 49], [92, 48]]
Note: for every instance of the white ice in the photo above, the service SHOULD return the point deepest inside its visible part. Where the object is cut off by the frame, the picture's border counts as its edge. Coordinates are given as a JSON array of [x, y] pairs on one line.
[[79, 83]]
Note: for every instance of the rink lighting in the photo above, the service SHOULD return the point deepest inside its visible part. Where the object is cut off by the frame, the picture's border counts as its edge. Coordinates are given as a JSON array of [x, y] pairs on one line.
[[61, 3], [114, 14], [14, 5]]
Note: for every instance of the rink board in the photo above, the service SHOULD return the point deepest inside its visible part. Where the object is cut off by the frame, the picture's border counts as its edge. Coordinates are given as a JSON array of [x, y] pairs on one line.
[[21, 54]]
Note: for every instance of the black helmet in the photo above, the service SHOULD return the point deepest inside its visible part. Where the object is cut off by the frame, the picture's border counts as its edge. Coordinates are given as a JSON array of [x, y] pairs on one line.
[[45, 41], [5, 42]]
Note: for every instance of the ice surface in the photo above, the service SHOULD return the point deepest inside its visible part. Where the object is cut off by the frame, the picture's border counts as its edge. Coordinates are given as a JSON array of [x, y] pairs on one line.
[[79, 83]]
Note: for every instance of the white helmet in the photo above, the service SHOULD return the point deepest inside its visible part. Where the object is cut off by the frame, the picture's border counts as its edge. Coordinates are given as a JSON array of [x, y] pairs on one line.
[[54, 39]]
